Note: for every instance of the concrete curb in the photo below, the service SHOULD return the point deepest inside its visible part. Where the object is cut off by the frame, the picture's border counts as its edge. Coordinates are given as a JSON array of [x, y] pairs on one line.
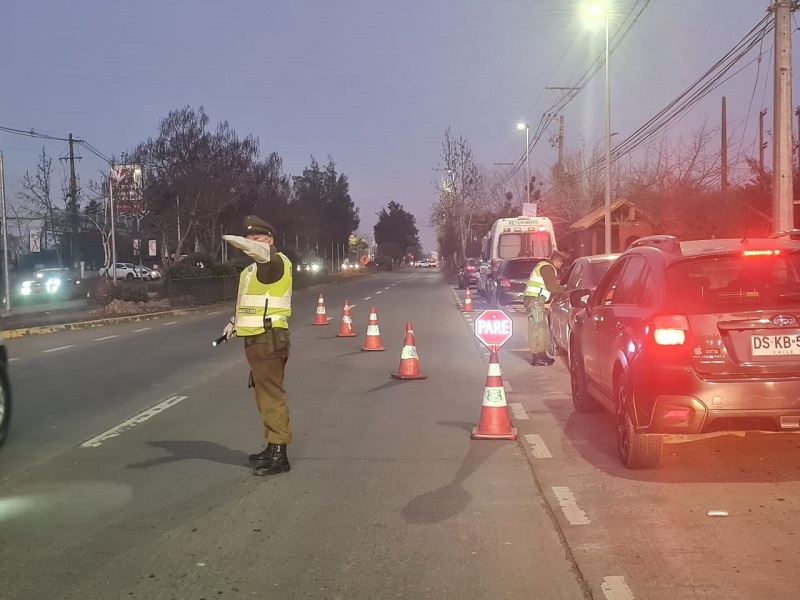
[[24, 331]]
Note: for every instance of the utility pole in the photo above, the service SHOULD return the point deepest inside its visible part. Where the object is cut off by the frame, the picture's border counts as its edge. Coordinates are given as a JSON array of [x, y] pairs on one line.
[[797, 112], [761, 144], [6, 284], [782, 183], [72, 206], [724, 159]]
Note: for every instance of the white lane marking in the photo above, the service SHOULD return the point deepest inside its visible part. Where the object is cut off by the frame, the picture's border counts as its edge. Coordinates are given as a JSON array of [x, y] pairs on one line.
[[507, 387], [379, 292], [59, 348], [108, 337], [368, 298], [133, 422], [142, 329], [538, 446], [518, 410], [566, 499], [214, 312], [12, 359], [615, 588], [387, 287], [170, 323]]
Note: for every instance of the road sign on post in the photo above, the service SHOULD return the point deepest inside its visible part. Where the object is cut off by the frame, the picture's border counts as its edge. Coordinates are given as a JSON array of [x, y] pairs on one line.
[[493, 328]]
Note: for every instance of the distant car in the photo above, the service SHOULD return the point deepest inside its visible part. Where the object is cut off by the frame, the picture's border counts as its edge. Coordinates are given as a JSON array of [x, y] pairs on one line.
[[426, 263], [686, 344], [5, 394], [308, 267], [148, 273], [508, 286], [123, 271], [468, 273], [49, 284], [584, 272]]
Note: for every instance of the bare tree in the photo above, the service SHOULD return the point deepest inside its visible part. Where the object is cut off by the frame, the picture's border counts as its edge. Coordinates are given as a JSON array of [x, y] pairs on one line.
[[38, 202]]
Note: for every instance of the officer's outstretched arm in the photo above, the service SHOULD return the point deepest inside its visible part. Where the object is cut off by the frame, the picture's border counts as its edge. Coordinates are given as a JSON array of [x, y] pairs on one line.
[[258, 251]]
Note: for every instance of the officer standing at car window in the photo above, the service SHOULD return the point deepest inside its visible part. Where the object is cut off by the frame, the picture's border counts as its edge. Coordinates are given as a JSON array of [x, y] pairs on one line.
[[542, 283], [263, 308]]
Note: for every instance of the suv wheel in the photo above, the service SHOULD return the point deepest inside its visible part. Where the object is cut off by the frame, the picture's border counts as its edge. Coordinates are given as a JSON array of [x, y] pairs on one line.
[[637, 450], [581, 400], [129, 277]]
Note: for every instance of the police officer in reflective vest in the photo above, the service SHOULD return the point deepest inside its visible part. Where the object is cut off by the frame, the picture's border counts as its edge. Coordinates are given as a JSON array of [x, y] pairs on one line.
[[542, 283], [263, 308]]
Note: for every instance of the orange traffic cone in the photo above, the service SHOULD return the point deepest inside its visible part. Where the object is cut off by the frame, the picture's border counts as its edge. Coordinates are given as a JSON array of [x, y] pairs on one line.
[[373, 341], [468, 302], [409, 361], [494, 423], [321, 318], [346, 330]]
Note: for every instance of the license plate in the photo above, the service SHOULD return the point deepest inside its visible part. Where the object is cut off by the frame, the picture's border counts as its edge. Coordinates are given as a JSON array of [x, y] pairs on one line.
[[775, 345]]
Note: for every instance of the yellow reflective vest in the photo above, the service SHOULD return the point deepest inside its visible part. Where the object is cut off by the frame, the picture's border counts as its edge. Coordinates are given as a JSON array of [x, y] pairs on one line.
[[536, 286], [258, 300]]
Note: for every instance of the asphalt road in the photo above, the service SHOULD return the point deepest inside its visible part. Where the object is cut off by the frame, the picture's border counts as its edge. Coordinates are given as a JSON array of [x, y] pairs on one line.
[[125, 475]]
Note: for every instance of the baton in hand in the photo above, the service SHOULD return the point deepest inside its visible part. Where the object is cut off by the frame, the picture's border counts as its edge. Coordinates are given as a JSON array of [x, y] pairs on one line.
[[219, 340]]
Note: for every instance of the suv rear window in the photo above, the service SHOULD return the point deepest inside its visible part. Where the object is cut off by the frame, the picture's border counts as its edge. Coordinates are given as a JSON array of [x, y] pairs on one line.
[[736, 282], [528, 243]]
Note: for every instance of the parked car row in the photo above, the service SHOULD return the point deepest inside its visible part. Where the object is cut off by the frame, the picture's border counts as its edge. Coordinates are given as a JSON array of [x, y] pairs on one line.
[[129, 271]]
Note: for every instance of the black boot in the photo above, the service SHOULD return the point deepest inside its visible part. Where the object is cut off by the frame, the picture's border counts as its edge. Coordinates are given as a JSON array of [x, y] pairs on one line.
[[540, 359], [275, 462], [259, 456]]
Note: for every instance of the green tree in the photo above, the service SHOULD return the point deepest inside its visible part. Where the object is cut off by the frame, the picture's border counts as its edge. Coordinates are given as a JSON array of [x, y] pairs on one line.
[[396, 231], [321, 207]]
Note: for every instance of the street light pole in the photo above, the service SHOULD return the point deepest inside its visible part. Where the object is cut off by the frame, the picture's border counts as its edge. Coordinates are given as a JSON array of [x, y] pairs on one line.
[[608, 147], [113, 229], [527, 129]]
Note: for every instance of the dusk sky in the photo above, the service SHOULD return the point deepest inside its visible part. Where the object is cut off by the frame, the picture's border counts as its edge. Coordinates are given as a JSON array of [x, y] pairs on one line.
[[372, 84]]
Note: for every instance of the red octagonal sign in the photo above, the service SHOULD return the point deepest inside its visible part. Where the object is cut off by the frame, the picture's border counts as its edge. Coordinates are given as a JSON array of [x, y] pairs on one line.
[[493, 327]]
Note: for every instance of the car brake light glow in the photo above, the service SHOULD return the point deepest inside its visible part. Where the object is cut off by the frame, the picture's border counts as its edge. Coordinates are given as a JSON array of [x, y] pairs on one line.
[[775, 252], [503, 282], [670, 330]]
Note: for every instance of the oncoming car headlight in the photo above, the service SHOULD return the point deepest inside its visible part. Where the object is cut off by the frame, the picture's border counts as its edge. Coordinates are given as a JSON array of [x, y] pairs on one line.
[[315, 267], [52, 285], [25, 288]]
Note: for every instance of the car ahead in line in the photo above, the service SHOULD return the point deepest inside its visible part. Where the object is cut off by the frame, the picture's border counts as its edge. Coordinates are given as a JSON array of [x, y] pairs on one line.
[[510, 280], [584, 272], [50, 284], [5, 394], [468, 273], [698, 340], [126, 271]]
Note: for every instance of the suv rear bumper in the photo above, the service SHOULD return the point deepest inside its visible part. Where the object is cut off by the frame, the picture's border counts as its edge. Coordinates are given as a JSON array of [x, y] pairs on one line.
[[681, 403]]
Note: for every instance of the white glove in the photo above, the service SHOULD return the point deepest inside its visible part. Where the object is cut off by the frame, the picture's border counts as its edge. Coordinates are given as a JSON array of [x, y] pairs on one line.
[[258, 251], [229, 331]]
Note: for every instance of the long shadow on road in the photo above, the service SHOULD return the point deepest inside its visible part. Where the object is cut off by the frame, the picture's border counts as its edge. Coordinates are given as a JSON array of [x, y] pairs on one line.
[[193, 450]]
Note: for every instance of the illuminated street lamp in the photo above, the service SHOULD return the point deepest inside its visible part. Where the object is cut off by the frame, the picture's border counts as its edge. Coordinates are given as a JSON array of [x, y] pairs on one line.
[[527, 128], [600, 10]]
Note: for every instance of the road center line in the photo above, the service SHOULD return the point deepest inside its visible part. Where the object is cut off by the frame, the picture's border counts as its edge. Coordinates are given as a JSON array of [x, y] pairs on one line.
[[538, 446], [108, 337], [170, 323], [566, 499], [379, 292], [14, 358], [59, 348], [133, 422], [142, 329], [615, 588], [214, 312], [368, 298]]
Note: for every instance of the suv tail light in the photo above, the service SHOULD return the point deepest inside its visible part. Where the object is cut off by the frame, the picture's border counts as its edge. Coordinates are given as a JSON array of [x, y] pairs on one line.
[[503, 282], [670, 330]]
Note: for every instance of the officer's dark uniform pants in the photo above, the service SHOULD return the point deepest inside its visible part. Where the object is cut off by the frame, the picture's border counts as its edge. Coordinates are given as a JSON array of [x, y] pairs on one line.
[[267, 364]]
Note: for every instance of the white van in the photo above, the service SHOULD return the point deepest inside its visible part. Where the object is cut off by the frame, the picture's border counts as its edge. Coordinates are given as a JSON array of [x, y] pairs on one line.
[[532, 237]]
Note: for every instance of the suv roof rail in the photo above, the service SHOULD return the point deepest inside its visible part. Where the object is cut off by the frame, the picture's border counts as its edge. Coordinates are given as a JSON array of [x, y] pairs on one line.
[[667, 243]]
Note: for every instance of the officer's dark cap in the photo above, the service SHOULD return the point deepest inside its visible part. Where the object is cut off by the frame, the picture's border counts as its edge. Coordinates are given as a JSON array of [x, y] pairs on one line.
[[253, 225], [556, 255]]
